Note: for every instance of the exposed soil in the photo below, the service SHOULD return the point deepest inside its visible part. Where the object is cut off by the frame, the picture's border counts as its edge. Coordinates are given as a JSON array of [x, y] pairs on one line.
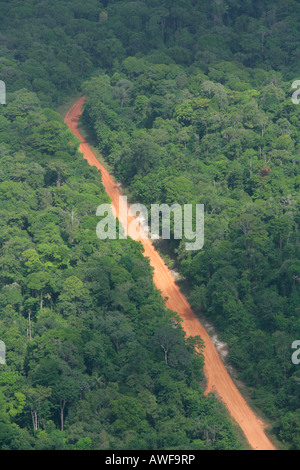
[[218, 378]]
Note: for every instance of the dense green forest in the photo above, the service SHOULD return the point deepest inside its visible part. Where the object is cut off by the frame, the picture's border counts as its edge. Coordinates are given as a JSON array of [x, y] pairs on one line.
[[190, 102]]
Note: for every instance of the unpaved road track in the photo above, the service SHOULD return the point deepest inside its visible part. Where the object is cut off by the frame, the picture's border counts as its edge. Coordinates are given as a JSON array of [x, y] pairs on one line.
[[218, 379]]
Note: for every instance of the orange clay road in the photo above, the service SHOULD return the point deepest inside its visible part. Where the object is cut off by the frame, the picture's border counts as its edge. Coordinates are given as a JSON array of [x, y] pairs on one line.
[[218, 379]]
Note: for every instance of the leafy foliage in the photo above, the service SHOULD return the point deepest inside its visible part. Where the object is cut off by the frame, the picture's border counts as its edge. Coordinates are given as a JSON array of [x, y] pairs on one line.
[[190, 103]]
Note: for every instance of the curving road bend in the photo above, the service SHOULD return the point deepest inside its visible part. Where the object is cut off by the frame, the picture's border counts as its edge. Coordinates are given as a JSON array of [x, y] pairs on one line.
[[218, 379]]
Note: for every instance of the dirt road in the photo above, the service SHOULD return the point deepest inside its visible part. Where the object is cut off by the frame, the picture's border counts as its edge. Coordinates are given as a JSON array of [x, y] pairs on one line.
[[218, 379]]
